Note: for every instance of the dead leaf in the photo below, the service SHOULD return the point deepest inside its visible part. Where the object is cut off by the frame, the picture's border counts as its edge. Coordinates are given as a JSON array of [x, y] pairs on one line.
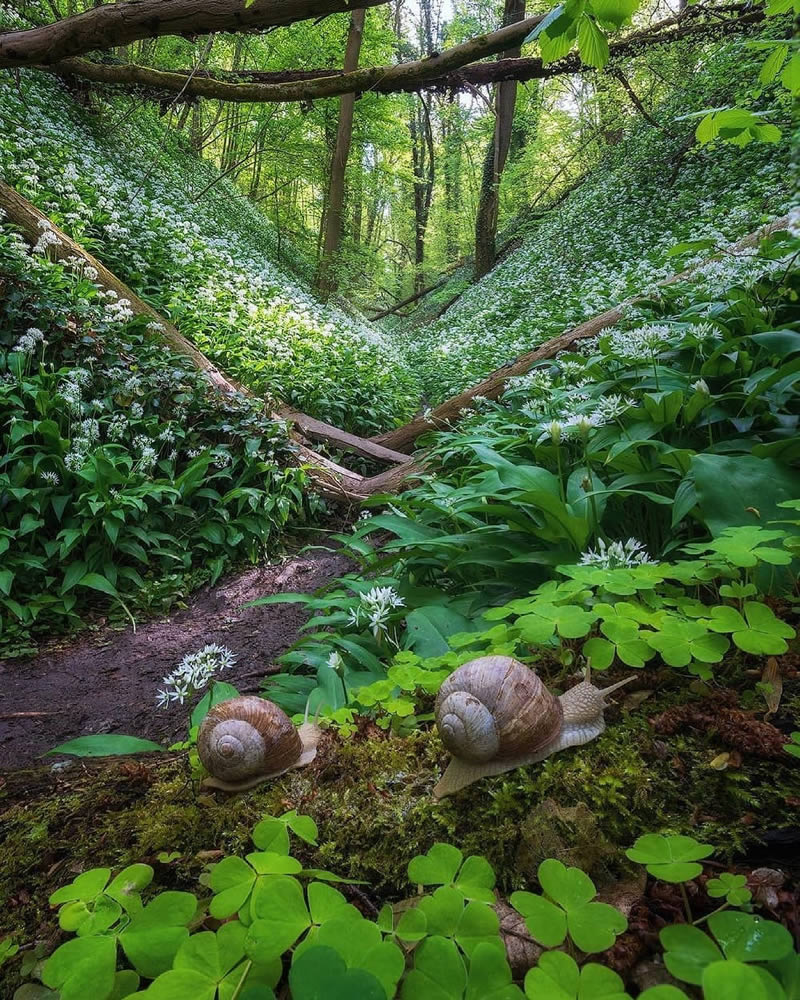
[[771, 677], [720, 762], [635, 699]]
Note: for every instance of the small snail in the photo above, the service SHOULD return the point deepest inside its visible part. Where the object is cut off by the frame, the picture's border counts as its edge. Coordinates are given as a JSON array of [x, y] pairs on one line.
[[494, 714], [246, 740]]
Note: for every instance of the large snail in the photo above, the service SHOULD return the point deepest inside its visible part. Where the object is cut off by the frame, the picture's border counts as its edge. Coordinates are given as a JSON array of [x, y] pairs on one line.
[[495, 714], [246, 740]]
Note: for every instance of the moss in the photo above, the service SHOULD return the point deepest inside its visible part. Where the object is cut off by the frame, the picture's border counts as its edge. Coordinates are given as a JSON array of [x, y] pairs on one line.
[[371, 798]]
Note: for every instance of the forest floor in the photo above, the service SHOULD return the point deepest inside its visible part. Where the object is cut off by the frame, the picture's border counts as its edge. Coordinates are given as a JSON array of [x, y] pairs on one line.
[[107, 682]]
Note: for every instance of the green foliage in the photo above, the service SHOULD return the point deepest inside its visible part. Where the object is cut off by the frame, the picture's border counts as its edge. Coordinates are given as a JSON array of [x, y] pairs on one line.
[[731, 888], [566, 909], [445, 945], [122, 469], [670, 858]]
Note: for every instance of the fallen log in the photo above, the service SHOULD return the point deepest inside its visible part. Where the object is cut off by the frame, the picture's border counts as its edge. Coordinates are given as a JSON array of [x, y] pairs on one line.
[[332, 480], [447, 414]]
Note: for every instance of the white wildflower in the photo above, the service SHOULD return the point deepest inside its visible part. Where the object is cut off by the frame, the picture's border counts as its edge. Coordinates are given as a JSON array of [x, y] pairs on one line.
[[617, 554], [193, 673]]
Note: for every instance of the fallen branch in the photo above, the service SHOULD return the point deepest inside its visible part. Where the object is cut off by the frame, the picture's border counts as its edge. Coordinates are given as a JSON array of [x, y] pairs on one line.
[[331, 479], [111, 25], [447, 414], [454, 69]]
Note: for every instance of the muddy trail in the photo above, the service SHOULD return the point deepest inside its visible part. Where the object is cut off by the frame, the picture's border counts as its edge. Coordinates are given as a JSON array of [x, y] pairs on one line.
[[107, 682]]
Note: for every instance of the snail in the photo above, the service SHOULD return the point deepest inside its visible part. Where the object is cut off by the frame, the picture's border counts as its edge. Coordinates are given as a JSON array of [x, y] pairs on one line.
[[494, 714], [244, 741]]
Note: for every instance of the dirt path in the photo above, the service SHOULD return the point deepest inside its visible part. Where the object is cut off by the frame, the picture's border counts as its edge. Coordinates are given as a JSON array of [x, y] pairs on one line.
[[108, 683]]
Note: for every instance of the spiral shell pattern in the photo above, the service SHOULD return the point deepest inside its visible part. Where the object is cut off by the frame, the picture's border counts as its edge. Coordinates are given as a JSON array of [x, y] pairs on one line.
[[244, 737], [494, 708]]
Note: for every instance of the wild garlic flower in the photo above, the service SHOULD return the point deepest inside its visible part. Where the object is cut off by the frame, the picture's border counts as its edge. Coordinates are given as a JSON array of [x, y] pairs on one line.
[[701, 386], [616, 555], [193, 674], [375, 608], [610, 407], [28, 341], [51, 478], [642, 343]]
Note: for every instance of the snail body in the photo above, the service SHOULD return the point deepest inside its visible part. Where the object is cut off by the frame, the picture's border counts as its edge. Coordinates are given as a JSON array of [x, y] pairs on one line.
[[246, 740], [495, 714]]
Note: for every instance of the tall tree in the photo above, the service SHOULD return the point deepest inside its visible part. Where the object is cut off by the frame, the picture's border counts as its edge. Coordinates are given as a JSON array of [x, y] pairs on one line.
[[326, 277], [496, 155]]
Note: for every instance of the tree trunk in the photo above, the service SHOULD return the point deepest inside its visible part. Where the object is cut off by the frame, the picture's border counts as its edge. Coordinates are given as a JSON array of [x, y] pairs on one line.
[[496, 155], [422, 154], [326, 278]]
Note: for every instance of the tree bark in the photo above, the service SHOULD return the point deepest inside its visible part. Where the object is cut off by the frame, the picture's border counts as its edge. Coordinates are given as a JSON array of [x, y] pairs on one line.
[[496, 156], [422, 156], [451, 70], [120, 23], [326, 281]]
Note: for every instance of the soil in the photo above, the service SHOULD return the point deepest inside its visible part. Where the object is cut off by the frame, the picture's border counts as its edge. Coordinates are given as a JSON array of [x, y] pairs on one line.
[[108, 682]]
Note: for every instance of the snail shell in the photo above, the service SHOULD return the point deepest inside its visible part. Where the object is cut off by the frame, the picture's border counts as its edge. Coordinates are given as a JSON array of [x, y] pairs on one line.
[[495, 714], [244, 741], [496, 708]]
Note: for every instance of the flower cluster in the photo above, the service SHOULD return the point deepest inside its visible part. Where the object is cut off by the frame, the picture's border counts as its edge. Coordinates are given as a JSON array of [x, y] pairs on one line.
[[616, 555], [193, 674], [28, 341], [375, 608]]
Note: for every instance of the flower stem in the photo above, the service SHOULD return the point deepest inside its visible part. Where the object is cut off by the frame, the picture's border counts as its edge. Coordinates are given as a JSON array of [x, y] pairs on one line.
[[686, 906]]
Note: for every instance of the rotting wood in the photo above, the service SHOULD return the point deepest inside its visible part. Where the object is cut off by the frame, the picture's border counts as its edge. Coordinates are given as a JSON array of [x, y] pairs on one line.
[[444, 416]]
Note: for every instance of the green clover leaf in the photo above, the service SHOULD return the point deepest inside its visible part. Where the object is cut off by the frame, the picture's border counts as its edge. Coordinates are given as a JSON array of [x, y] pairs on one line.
[[557, 977], [669, 858], [731, 887], [567, 908], [760, 634], [679, 642], [442, 865]]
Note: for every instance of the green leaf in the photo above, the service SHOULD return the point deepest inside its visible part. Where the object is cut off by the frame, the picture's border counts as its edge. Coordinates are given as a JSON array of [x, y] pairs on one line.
[[85, 887], [732, 981], [303, 826], [154, 935], [320, 974], [614, 13], [546, 922], [490, 975], [279, 917], [442, 910], [106, 745], [749, 938], [326, 903], [97, 582], [83, 967], [687, 952], [557, 977], [670, 858], [592, 43], [772, 64], [479, 924], [271, 834], [437, 867], [179, 984], [438, 972], [232, 879]]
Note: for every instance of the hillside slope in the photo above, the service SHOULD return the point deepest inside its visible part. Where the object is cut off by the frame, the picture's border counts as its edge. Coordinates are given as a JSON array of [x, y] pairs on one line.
[[122, 184], [611, 237]]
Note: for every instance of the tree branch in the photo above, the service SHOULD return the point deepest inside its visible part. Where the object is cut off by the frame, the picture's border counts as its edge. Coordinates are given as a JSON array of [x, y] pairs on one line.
[[130, 20], [454, 69]]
